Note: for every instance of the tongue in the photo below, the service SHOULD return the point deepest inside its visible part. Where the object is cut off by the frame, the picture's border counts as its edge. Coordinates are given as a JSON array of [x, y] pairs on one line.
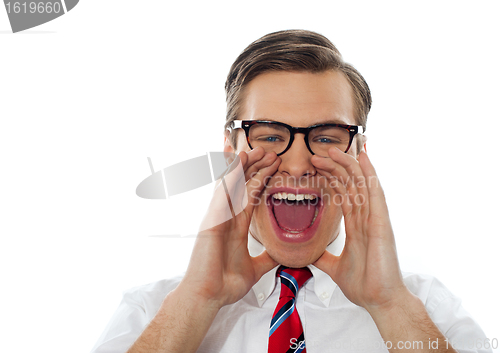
[[292, 215]]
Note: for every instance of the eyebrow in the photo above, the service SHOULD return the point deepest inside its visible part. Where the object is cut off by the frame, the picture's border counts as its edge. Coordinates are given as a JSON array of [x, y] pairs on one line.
[[329, 121], [333, 121]]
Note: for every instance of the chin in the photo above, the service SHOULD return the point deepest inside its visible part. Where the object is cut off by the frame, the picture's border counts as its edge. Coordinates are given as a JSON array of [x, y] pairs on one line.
[[290, 253], [289, 260]]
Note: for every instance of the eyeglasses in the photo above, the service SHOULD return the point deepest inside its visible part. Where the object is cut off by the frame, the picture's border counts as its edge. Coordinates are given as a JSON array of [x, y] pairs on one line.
[[278, 137]]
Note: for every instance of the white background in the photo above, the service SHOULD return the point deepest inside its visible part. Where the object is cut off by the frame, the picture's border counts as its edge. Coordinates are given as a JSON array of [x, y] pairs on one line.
[[86, 98]]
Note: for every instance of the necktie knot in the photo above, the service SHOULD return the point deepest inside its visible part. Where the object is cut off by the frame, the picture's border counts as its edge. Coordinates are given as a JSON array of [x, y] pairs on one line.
[[292, 279]]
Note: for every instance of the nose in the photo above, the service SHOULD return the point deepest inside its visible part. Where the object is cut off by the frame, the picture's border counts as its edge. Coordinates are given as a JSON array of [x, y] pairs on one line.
[[296, 162]]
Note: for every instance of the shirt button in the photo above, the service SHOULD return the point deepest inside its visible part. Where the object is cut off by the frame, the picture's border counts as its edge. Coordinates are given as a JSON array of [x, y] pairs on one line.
[[260, 296], [324, 295]]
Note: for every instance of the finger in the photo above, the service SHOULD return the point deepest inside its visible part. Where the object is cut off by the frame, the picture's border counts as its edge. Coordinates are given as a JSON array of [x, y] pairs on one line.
[[233, 161], [247, 163], [243, 156], [229, 195], [358, 193], [348, 162], [375, 191], [336, 176], [341, 196], [255, 185], [244, 166], [327, 165], [253, 156], [247, 159], [238, 194], [235, 173], [340, 181], [254, 164], [234, 186]]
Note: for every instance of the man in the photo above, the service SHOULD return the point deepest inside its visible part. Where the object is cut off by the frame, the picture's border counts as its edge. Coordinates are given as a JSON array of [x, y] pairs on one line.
[[277, 277]]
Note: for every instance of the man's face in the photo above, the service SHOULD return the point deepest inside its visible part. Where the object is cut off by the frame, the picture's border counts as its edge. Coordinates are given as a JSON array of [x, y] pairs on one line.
[[296, 234]]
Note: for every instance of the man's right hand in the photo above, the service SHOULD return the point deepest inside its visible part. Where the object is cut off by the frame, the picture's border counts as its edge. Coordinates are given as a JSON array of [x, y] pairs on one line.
[[221, 270]]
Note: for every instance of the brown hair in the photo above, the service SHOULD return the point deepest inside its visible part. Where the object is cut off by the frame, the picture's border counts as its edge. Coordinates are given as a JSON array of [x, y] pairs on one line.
[[291, 50]]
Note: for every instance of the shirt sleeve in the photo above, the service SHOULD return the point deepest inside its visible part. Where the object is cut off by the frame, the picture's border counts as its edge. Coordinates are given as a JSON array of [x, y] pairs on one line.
[[462, 332], [124, 328]]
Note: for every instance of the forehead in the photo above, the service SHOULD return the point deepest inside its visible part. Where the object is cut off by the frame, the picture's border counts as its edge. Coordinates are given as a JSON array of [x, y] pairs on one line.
[[299, 98]]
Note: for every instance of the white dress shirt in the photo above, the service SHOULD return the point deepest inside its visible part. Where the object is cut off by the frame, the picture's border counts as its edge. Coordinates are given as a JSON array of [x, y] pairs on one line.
[[331, 322]]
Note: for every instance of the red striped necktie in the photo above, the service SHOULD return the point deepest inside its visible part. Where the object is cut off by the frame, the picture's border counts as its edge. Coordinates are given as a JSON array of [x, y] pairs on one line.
[[286, 333]]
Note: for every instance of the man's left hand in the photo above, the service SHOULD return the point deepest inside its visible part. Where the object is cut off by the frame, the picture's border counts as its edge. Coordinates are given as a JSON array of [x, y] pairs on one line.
[[367, 271]]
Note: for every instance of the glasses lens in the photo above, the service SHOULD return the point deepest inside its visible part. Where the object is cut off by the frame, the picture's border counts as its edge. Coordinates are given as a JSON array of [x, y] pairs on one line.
[[271, 137], [322, 138]]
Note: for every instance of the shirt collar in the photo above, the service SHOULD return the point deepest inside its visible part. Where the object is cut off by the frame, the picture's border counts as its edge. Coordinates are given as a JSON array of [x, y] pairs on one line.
[[323, 283]]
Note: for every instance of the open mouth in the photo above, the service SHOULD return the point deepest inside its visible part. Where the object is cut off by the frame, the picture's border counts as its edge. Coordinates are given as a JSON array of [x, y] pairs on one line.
[[295, 214]]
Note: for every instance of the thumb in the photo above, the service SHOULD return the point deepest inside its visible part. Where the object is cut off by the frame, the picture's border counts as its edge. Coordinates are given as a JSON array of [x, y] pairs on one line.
[[263, 263], [328, 263]]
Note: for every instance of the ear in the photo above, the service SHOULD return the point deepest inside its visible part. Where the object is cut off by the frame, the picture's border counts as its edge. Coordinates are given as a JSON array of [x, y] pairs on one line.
[[229, 152], [227, 142], [363, 138]]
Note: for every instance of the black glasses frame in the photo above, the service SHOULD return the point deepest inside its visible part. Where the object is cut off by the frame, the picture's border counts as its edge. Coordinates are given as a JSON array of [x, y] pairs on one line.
[[247, 124]]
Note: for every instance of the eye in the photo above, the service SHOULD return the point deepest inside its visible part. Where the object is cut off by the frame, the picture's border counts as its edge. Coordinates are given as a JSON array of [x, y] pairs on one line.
[[270, 139], [326, 139]]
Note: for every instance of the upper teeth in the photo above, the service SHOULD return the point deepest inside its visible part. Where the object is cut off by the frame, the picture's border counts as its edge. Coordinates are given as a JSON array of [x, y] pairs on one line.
[[291, 197]]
